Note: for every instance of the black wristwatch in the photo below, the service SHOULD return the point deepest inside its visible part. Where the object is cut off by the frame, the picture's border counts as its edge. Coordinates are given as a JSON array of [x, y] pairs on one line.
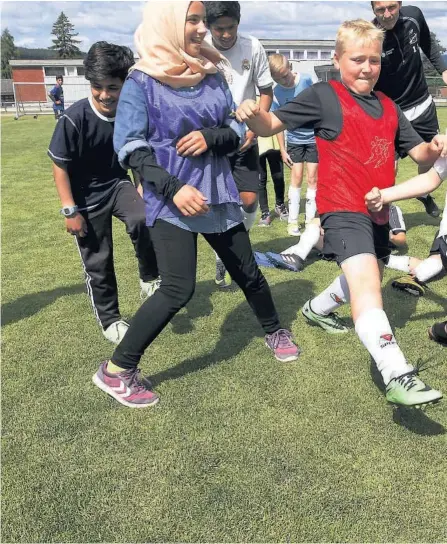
[[69, 211]]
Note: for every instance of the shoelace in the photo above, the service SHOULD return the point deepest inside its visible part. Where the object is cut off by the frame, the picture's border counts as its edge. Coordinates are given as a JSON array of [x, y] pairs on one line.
[[338, 321], [281, 338], [134, 380], [408, 380]]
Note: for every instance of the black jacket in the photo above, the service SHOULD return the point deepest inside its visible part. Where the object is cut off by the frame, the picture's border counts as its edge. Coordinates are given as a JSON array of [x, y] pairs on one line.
[[402, 76]]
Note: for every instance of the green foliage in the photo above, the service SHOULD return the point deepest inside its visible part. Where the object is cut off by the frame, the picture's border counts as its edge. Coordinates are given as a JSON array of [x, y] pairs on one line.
[[8, 51], [241, 448], [429, 70], [65, 42]]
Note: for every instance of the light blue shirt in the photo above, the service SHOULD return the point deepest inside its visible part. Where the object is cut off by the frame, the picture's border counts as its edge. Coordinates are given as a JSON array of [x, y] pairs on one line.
[[282, 95]]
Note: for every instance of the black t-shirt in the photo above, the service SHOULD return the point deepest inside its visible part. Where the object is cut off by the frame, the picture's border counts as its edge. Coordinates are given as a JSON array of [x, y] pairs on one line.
[[402, 74], [82, 144], [318, 107]]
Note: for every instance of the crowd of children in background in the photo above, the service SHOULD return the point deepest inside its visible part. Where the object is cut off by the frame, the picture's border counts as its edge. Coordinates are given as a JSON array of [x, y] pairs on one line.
[[203, 162]]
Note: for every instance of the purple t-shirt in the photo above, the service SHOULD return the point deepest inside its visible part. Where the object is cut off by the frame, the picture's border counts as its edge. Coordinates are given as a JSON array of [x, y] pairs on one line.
[[174, 113]]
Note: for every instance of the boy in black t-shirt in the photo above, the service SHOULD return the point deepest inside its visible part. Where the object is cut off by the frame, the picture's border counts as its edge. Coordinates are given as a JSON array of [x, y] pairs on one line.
[[93, 187]]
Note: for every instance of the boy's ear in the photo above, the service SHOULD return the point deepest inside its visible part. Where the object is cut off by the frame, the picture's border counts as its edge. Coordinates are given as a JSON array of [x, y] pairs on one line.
[[336, 61]]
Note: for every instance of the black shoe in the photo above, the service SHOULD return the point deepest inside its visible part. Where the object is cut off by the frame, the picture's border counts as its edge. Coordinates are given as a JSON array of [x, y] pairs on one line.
[[430, 205], [438, 333], [286, 261]]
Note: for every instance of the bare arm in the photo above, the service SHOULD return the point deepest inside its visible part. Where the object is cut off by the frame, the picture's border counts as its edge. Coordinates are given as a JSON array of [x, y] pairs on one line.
[[414, 187], [63, 186], [75, 225], [266, 98], [259, 121], [428, 153], [282, 147]]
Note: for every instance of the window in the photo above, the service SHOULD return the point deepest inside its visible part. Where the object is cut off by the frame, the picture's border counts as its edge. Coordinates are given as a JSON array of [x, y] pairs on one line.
[[270, 52], [298, 55], [326, 55], [70, 70], [54, 71], [312, 55], [81, 71]]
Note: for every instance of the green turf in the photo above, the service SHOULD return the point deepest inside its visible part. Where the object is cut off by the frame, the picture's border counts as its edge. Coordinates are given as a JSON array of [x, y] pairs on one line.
[[241, 447]]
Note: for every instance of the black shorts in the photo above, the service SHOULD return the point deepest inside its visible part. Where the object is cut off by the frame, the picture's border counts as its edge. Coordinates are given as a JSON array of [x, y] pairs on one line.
[[347, 234], [245, 168], [426, 125], [439, 247], [303, 153]]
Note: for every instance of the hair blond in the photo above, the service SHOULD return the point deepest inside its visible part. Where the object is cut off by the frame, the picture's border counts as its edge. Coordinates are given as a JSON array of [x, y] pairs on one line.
[[276, 62], [357, 30]]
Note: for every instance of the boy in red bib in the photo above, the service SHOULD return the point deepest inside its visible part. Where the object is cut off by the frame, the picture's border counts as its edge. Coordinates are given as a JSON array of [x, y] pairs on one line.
[[357, 132]]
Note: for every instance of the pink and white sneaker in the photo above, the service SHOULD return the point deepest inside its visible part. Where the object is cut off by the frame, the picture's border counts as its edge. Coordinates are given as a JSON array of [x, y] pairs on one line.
[[280, 342], [126, 387]]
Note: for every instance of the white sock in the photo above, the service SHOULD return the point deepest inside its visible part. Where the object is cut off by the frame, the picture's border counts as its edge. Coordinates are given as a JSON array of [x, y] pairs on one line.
[[294, 204], [374, 330], [428, 269], [443, 225], [332, 297], [399, 262], [307, 241], [311, 205], [249, 218]]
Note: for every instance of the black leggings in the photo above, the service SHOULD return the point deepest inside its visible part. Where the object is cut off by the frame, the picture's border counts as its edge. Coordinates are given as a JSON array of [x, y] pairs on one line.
[[176, 251], [277, 172]]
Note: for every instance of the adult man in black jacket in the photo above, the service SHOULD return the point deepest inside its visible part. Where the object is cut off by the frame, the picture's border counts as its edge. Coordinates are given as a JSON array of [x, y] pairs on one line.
[[402, 76]]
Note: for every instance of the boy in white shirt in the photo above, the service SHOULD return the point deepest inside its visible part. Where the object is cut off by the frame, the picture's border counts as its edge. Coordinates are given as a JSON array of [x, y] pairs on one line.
[[250, 72]]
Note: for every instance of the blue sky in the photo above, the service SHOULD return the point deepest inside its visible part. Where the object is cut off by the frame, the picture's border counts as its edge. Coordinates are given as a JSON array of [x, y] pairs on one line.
[[30, 22]]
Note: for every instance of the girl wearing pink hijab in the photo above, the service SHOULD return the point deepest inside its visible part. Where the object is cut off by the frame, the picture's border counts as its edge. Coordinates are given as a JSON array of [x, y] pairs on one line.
[[174, 126]]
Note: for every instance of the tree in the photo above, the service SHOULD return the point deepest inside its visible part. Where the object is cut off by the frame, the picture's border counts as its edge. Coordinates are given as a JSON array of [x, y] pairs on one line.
[[428, 67], [65, 44], [8, 52]]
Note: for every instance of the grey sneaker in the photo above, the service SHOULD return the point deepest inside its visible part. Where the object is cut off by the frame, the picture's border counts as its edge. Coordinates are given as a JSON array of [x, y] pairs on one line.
[[331, 323], [282, 212], [148, 288], [126, 387], [409, 390], [223, 279]]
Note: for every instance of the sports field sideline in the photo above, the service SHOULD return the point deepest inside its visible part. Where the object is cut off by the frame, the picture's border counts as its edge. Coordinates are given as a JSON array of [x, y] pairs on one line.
[[240, 448]]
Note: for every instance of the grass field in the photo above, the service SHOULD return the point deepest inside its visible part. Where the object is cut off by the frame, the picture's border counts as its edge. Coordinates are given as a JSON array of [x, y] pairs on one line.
[[241, 447]]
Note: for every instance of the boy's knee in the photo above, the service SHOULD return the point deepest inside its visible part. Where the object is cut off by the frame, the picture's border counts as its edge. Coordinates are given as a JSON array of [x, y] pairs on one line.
[[249, 202]]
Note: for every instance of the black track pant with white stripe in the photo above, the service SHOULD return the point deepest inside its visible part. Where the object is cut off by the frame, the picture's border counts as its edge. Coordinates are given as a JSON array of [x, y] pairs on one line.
[[96, 249]]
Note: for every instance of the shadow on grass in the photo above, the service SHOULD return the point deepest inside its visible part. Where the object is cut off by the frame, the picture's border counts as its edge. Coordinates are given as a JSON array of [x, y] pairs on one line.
[[29, 305], [199, 306], [417, 421], [417, 219], [401, 306], [413, 419], [240, 327]]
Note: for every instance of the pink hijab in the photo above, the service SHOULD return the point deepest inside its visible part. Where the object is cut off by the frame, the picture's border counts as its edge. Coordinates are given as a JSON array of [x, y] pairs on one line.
[[160, 42]]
